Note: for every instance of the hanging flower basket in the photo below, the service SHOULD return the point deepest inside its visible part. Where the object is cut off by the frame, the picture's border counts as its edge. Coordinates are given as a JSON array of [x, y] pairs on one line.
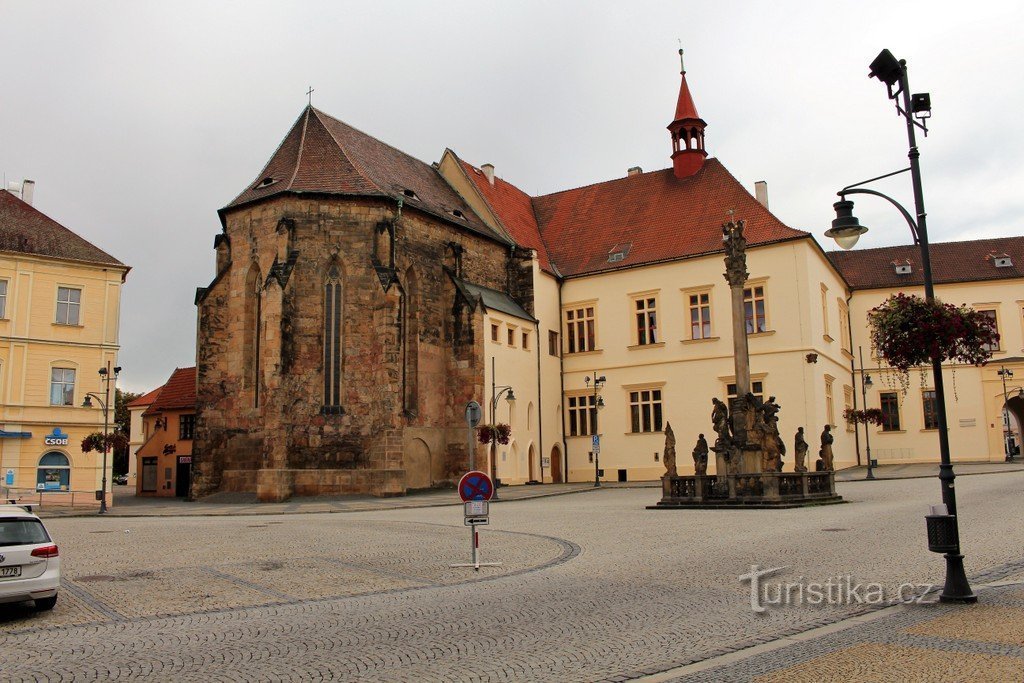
[[498, 432], [114, 441], [907, 331], [870, 416]]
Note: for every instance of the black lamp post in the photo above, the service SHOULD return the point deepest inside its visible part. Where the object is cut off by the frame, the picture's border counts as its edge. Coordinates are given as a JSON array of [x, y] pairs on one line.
[[598, 404], [1005, 372], [846, 230], [107, 375], [496, 394], [865, 382]]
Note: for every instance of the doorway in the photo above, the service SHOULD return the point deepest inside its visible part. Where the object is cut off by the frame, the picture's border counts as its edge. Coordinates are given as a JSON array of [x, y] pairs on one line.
[[556, 465], [183, 476]]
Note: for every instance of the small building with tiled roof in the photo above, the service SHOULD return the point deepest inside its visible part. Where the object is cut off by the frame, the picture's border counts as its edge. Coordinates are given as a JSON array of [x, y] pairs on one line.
[[136, 437], [402, 290], [59, 324], [167, 430]]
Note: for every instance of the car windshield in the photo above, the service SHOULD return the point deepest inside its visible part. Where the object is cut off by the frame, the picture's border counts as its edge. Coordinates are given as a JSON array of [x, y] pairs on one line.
[[21, 531]]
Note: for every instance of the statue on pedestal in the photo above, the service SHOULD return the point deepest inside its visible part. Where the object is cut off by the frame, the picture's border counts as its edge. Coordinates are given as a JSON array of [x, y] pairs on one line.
[[766, 430], [700, 457], [800, 451], [826, 448], [720, 420], [670, 451]]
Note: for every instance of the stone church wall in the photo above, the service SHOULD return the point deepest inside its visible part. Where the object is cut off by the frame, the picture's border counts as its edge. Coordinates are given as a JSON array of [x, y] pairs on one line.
[[413, 355]]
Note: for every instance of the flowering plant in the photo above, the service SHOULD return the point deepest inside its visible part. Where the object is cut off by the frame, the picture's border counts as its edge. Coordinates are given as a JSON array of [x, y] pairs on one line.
[[869, 416], [907, 331], [498, 432], [114, 440]]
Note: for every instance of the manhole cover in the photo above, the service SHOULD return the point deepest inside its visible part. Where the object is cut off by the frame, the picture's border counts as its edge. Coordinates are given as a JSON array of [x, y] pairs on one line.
[[835, 529]]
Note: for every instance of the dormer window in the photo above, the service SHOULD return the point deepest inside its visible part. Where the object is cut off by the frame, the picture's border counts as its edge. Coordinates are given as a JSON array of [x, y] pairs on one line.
[[903, 268], [411, 194], [1001, 260], [266, 182], [458, 214], [619, 252]]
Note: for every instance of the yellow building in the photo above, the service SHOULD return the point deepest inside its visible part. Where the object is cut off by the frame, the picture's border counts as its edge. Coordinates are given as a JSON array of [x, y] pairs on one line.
[[59, 308]]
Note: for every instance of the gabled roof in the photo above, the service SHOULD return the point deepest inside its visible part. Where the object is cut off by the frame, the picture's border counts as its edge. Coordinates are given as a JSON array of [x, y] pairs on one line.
[[967, 261], [653, 217], [26, 230], [145, 399], [322, 155], [178, 393], [513, 208], [491, 299]]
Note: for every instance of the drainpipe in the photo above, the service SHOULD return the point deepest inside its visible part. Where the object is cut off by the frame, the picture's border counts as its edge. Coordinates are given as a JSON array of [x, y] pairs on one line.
[[561, 379], [540, 396], [853, 377]]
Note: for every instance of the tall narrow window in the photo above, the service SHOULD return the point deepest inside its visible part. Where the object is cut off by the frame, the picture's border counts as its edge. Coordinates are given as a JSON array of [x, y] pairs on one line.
[[62, 386], [890, 411], [848, 405], [582, 415], [646, 321], [69, 305], [186, 427], [579, 329], [931, 409], [251, 333], [991, 315], [3, 299], [645, 410], [830, 410], [700, 315], [553, 348], [754, 310], [412, 341], [824, 312], [332, 337], [844, 325]]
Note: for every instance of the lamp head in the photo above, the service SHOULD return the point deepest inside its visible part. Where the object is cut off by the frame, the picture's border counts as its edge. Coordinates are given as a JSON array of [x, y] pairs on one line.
[[846, 229], [87, 403], [511, 398], [103, 372], [886, 68], [867, 380], [117, 371], [600, 402]]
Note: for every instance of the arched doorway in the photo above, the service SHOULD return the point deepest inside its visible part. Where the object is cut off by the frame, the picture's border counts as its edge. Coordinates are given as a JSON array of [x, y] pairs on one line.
[[1013, 424], [531, 456], [54, 472], [417, 465], [556, 465]]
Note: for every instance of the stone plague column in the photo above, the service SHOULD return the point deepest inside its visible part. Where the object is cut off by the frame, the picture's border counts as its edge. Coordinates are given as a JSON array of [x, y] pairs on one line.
[[736, 275]]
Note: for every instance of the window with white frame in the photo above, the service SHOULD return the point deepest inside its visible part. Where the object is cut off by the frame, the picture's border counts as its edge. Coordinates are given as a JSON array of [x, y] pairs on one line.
[[848, 405], [582, 414], [830, 410], [700, 315], [844, 327], [645, 410], [579, 329], [824, 312], [3, 299], [991, 315], [69, 305], [646, 316], [62, 386], [754, 309]]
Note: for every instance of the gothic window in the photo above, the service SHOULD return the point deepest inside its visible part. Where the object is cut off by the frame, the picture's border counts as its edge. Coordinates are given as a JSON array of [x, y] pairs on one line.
[[412, 341], [333, 317], [252, 321]]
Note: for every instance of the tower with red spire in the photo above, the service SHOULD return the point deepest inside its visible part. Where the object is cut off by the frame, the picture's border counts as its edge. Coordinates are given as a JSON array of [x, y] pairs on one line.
[[687, 131]]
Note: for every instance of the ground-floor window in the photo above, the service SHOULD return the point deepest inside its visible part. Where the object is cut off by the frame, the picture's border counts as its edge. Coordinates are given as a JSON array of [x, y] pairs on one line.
[[890, 411], [149, 475], [53, 473], [931, 409]]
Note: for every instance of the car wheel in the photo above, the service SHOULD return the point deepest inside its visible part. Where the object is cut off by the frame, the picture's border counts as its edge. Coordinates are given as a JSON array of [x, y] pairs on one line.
[[46, 604]]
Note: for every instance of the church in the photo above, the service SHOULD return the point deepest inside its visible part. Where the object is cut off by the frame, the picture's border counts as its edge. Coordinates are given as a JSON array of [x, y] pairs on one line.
[[363, 297]]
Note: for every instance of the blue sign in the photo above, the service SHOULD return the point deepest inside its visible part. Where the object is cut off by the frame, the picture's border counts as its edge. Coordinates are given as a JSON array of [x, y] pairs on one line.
[[9, 478], [475, 486], [57, 438], [4, 434], [596, 440]]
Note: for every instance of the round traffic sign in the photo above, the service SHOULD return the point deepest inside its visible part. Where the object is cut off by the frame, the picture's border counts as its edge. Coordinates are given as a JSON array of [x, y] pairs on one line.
[[475, 486]]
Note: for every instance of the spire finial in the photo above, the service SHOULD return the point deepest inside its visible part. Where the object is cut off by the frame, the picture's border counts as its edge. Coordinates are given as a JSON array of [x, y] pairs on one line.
[[309, 94], [682, 66]]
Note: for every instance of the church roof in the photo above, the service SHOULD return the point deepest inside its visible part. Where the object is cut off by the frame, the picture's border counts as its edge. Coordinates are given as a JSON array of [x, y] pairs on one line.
[[966, 261], [26, 230], [650, 218], [514, 209], [685, 108], [322, 155]]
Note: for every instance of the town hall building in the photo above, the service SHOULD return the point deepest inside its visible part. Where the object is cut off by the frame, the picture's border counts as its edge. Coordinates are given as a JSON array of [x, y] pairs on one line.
[[363, 297]]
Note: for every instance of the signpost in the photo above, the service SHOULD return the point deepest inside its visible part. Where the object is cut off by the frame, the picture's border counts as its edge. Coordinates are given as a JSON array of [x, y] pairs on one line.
[[473, 416], [475, 490]]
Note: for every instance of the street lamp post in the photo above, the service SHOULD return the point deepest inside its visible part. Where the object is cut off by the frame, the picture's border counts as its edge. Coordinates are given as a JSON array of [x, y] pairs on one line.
[[496, 393], [1005, 372], [598, 404], [107, 375], [846, 229], [865, 382]]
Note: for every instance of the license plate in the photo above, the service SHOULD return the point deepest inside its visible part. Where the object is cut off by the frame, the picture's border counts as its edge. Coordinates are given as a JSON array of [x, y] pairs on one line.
[[8, 572]]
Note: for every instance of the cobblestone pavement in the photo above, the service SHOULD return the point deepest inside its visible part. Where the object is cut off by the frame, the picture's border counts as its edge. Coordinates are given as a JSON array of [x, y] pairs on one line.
[[592, 587]]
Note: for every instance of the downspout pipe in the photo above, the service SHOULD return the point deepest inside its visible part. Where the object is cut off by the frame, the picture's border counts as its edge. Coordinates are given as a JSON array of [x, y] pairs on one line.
[[853, 377]]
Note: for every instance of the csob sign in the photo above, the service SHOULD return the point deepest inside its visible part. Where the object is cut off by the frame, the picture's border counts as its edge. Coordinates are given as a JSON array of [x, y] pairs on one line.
[[56, 438]]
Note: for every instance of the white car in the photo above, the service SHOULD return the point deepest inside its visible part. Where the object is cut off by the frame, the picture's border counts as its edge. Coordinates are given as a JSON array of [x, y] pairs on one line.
[[29, 560]]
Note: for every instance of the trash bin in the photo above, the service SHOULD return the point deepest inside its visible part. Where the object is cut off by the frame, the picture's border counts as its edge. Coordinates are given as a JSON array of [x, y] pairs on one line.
[[942, 534]]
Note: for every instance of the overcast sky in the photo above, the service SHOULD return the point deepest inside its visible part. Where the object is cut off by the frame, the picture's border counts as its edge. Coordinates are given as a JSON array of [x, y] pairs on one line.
[[138, 120]]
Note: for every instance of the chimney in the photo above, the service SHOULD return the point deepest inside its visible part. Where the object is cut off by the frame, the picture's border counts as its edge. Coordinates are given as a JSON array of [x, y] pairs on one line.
[[761, 192], [634, 170], [488, 170], [28, 188]]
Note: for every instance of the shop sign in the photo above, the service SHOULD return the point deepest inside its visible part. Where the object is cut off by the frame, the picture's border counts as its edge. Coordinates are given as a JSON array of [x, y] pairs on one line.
[[184, 459], [56, 438]]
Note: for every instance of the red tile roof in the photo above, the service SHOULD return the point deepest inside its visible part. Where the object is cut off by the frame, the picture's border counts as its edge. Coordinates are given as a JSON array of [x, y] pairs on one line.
[[968, 261], [653, 216], [145, 399], [514, 209], [26, 230], [178, 393], [323, 155]]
